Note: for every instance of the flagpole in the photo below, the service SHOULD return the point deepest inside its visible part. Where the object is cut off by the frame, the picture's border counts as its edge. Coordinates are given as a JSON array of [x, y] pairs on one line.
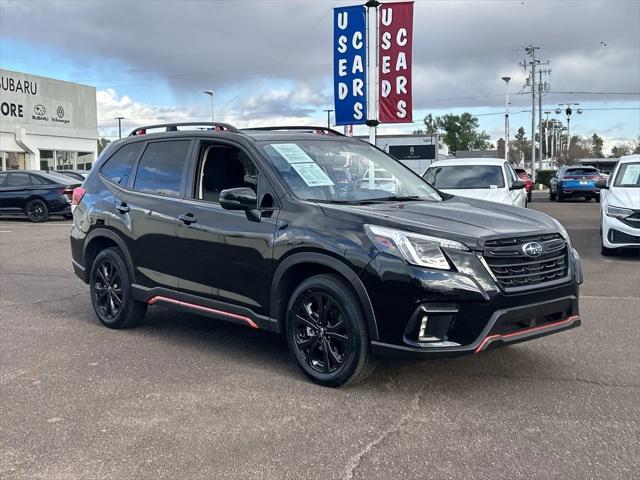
[[372, 69]]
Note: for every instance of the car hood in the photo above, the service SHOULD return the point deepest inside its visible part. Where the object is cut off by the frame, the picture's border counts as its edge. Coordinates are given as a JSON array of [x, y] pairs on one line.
[[490, 194], [624, 197], [457, 218]]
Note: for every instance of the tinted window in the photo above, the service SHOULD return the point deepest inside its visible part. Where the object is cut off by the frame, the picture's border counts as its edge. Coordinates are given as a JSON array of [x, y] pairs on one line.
[[18, 180], [465, 176], [118, 167], [162, 167], [581, 171], [36, 180]]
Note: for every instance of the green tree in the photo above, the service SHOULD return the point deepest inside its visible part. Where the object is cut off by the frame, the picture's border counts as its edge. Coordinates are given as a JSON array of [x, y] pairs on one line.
[[620, 150], [461, 132], [102, 143], [596, 146], [520, 147]]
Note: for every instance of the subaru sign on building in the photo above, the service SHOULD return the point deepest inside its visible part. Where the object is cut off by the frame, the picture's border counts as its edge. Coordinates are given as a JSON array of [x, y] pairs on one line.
[[46, 124]]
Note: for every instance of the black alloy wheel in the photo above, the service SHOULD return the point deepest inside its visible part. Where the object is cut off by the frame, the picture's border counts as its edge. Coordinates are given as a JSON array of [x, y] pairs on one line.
[[327, 332], [321, 332], [37, 211], [110, 285], [108, 289]]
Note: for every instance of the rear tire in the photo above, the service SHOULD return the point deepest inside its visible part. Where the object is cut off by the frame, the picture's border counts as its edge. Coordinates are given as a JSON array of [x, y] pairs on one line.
[[37, 211], [552, 196], [327, 332], [110, 287], [560, 197]]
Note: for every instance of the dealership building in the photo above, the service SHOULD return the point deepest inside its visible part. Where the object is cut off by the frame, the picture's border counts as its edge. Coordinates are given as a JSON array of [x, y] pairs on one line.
[[46, 124]]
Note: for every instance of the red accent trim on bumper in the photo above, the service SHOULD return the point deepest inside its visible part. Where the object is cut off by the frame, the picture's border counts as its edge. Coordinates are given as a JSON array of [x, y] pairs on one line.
[[549, 326], [242, 318]]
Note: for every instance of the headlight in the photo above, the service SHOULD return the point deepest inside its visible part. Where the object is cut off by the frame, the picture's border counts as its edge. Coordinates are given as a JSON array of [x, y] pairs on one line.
[[563, 231], [416, 249], [618, 212]]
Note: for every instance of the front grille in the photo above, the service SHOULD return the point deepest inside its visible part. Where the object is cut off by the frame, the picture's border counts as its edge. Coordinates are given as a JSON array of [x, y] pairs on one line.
[[616, 236], [633, 220], [515, 270]]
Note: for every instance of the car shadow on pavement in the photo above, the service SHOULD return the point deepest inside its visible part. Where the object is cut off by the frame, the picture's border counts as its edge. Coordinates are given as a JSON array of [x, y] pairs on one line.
[[268, 352]]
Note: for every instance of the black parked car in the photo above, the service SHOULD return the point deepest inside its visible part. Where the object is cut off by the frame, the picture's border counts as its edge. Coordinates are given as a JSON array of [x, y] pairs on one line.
[[36, 194], [252, 227]]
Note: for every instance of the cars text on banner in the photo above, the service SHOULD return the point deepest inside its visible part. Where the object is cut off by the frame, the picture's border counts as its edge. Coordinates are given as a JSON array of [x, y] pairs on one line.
[[395, 31], [349, 65]]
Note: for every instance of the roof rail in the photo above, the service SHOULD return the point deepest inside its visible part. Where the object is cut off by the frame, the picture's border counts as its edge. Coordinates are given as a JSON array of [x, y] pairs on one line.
[[301, 128], [173, 127]]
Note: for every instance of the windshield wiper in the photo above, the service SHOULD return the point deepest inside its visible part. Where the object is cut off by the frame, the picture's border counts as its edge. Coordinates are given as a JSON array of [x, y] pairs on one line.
[[394, 198]]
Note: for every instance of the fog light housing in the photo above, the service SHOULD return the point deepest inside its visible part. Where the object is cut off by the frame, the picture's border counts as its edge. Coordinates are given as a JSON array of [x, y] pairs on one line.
[[434, 322]]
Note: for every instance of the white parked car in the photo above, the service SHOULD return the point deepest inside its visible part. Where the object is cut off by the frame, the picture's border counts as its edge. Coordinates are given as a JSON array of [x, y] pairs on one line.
[[489, 179], [382, 180], [620, 206]]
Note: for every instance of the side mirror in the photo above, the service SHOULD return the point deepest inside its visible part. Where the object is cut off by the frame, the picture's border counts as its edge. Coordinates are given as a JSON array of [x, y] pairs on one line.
[[602, 184], [238, 199], [517, 185]]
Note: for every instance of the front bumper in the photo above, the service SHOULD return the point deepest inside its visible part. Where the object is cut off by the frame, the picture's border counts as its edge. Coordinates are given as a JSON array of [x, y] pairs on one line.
[[630, 236], [485, 315]]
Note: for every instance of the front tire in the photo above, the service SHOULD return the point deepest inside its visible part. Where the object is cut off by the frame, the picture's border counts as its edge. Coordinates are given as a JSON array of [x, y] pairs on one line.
[[37, 211], [529, 197], [110, 287], [327, 332]]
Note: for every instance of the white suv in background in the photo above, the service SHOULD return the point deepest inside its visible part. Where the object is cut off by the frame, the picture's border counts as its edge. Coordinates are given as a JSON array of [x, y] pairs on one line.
[[489, 179], [620, 206]]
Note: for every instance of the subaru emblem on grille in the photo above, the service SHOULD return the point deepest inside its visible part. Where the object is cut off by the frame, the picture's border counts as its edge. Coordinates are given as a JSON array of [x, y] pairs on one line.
[[532, 249]]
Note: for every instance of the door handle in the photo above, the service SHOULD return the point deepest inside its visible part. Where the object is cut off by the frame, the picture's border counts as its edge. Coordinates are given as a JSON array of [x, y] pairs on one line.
[[122, 208], [187, 218]]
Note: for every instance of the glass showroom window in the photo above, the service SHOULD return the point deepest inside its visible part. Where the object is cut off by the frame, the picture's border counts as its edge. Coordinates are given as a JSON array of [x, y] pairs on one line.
[[65, 160], [84, 160], [46, 160], [12, 161]]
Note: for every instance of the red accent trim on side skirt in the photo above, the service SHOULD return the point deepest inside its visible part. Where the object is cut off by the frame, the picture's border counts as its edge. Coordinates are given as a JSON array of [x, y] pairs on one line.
[[548, 326], [247, 320]]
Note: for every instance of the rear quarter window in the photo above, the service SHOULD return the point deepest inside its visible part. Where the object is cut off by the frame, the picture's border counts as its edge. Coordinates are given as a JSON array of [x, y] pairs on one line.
[[118, 167]]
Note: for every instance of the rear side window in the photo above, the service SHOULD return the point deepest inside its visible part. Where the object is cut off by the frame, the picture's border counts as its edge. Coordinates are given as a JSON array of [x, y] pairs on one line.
[[37, 180], [118, 167], [162, 168], [18, 180]]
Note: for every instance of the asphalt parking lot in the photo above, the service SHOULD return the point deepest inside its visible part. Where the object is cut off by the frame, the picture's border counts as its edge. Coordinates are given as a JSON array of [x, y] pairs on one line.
[[185, 397]]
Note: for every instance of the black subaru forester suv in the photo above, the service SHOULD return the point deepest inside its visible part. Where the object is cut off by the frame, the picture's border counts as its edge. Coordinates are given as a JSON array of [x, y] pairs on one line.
[[322, 237]]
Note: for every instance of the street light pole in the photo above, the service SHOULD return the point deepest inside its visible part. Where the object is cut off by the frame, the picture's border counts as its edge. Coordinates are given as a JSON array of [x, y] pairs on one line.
[[212, 94], [328, 110], [119, 126], [546, 134], [568, 111], [506, 120]]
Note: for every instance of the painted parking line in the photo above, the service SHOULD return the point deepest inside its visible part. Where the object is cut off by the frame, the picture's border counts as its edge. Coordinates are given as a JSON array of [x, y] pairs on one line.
[[5, 231]]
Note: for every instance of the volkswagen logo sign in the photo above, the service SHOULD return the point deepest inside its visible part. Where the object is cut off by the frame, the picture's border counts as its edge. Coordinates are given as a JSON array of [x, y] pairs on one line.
[[532, 249], [60, 112], [39, 110]]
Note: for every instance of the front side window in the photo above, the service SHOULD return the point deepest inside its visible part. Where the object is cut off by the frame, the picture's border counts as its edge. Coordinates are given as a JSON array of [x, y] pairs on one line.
[[223, 167], [118, 167], [339, 171], [628, 175], [162, 167], [465, 177]]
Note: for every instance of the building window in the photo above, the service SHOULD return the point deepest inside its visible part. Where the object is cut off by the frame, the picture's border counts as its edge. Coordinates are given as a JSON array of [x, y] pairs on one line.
[[12, 161]]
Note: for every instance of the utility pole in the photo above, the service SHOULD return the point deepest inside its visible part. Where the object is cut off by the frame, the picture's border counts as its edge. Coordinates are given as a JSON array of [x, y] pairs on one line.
[[119, 126], [531, 52], [506, 121], [328, 110], [372, 73], [546, 134]]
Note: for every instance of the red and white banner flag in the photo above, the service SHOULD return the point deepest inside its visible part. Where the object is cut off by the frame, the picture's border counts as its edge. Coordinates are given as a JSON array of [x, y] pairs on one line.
[[395, 33]]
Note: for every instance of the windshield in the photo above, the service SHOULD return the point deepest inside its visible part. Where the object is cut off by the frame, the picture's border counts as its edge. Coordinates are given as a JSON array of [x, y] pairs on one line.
[[344, 172], [465, 176], [628, 175]]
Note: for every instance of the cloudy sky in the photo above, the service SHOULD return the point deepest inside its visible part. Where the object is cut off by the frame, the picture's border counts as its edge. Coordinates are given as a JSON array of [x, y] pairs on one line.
[[270, 61]]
